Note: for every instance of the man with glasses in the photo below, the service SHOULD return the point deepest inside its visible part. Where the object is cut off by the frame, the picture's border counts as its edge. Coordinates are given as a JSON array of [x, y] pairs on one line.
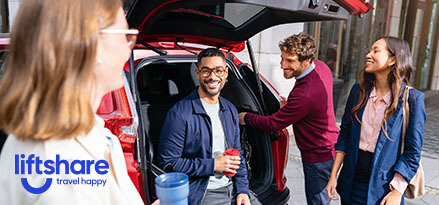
[[197, 131]]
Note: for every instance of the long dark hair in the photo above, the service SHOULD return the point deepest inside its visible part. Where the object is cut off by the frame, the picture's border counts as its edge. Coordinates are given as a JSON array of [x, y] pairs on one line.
[[400, 73]]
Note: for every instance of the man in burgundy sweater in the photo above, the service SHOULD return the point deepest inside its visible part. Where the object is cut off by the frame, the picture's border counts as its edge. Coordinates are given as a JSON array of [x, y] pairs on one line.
[[309, 109]]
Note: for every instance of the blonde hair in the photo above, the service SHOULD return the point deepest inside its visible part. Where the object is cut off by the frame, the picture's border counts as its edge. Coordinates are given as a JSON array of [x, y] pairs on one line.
[[46, 90]]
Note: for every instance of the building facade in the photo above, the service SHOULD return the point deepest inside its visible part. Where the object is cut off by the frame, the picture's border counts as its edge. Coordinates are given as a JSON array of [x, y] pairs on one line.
[[344, 44]]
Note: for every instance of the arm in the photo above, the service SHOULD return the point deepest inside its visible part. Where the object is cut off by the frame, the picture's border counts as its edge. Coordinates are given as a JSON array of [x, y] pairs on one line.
[[341, 144], [332, 183], [398, 182], [296, 108], [346, 121], [171, 146], [408, 163]]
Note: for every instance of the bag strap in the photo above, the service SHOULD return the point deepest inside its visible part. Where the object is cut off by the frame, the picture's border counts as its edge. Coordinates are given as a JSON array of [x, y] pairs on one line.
[[405, 115]]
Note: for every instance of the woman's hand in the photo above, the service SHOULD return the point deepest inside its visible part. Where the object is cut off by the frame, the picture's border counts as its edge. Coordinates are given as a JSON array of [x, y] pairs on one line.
[[330, 188], [393, 197], [332, 183]]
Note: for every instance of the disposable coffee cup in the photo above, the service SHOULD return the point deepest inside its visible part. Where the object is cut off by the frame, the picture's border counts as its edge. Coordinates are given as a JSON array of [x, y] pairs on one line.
[[231, 152], [172, 188]]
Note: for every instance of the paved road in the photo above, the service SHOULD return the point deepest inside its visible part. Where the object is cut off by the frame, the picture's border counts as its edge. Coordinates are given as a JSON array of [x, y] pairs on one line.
[[431, 136]]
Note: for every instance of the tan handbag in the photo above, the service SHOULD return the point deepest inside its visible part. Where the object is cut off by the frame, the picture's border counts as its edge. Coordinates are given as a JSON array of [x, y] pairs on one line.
[[416, 187]]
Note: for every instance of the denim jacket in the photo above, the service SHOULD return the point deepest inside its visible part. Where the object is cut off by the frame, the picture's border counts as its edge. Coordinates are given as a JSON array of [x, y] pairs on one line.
[[186, 144]]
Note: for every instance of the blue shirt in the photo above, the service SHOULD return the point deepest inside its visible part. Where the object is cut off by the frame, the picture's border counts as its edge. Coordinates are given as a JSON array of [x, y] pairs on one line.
[[311, 68]]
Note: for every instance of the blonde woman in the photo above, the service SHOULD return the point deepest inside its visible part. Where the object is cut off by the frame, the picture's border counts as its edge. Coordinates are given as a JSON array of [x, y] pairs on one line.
[[63, 57]]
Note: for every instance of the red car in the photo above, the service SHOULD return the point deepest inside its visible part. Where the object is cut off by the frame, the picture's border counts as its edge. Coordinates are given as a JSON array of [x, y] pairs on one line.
[[161, 71]]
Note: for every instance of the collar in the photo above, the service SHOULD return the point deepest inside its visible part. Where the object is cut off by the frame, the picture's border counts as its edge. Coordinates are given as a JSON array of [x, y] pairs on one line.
[[198, 106], [386, 98], [97, 140], [311, 68]]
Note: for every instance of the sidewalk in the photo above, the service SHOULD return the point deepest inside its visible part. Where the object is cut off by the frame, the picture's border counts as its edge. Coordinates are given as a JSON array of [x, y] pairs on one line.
[[430, 160]]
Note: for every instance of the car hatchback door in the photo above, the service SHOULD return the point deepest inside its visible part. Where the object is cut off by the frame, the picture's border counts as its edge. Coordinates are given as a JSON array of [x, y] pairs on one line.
[[228, 23]]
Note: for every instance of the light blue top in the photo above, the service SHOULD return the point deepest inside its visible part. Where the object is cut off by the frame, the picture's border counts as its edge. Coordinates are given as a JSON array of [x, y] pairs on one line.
[[311, 68]]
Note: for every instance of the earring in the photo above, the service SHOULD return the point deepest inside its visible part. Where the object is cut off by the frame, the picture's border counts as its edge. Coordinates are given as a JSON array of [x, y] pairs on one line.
[[99, 61]]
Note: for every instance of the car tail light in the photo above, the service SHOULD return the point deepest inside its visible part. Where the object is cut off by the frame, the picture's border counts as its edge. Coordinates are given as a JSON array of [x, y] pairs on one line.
[[280, 148], [118, 110]]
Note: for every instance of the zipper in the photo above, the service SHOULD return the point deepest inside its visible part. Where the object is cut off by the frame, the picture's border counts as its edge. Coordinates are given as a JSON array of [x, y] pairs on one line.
[[204, 195], [251, 192], [225, 141]]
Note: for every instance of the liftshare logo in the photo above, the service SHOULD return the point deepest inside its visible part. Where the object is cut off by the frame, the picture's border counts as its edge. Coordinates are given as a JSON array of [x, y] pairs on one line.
[[76, 167]]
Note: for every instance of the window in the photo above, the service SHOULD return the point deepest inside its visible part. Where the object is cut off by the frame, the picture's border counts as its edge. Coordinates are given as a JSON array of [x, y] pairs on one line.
[[2, 64], [234, 13], [426, 66]]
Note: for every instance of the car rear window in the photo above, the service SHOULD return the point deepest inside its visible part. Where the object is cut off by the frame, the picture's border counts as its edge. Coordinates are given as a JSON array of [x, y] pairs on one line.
[[235, 13]]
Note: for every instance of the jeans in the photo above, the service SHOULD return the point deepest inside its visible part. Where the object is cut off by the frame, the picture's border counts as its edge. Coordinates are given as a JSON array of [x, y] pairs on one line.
[[316, 178], [224, 195]]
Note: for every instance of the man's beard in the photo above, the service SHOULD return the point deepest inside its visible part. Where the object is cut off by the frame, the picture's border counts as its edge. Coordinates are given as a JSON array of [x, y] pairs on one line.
[[206, 90]]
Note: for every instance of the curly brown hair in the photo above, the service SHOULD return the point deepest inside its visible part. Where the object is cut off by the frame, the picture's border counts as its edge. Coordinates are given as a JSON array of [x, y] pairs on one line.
[[301, 44]]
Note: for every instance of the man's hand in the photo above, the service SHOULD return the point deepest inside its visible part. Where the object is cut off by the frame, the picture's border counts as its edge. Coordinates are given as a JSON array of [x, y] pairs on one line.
[[225, 163], [393, 197], [242, 199], [330, 188], [284, 101], [241, 116]]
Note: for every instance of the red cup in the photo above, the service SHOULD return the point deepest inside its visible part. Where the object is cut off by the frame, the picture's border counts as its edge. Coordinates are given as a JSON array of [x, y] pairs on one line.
[[231, 152]]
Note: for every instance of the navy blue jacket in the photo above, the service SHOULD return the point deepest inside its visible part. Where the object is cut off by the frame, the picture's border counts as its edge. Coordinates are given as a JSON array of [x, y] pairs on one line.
[[186, 143], [387, 158]]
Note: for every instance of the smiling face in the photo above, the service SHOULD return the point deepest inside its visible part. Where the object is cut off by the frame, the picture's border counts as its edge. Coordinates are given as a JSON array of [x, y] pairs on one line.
[[291, 65], [379, 60], [212, 74]]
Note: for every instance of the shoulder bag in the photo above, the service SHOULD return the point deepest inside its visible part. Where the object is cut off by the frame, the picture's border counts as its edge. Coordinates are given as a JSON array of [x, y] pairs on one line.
[[416, 187]]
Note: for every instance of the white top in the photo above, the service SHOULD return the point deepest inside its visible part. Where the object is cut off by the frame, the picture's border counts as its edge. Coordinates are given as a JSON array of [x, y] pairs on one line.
[[99, 144], [218, 145]]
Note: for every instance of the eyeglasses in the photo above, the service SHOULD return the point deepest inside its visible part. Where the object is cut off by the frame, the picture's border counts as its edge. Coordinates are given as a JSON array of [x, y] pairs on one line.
[[131, 35], [220, 72]]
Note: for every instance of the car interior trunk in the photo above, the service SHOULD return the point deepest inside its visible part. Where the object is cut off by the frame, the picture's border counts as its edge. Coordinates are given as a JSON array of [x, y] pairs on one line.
[[163, 81]]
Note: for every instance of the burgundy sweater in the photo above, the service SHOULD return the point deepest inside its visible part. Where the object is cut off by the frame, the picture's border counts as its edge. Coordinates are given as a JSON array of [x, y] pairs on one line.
[[310, 109]]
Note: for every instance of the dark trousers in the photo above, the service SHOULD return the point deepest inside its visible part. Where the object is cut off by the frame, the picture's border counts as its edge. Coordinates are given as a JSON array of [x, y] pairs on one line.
[[360, 185], [316, 178], [225, 196]]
